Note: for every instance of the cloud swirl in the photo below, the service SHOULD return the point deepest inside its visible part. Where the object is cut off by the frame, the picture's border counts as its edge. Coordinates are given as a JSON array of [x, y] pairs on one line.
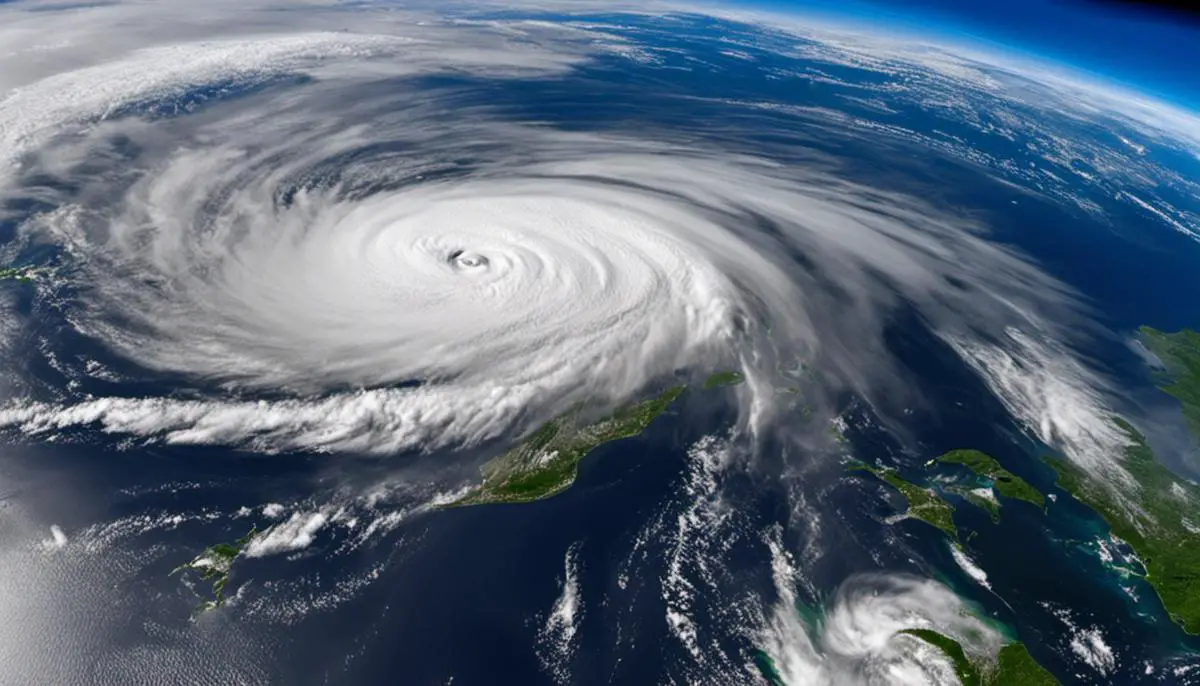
[[332, 249]]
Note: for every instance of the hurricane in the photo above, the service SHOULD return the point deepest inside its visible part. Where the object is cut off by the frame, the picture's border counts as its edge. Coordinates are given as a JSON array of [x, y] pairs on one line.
[[399, 270], [392, 243]]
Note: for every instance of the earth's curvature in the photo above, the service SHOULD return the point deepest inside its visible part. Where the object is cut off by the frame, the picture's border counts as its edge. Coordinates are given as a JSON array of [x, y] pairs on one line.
[[588, 344]]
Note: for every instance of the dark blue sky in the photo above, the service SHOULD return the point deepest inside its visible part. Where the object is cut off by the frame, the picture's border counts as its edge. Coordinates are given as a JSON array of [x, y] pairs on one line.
[[1155, 52]]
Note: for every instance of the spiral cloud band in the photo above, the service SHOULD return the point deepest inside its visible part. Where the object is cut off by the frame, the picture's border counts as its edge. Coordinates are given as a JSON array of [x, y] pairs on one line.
[[335, 250]]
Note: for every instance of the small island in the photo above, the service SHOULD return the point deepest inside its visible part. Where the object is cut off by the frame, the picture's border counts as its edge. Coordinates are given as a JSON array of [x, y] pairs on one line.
[[721, 379], [18, 274], [213, 565]]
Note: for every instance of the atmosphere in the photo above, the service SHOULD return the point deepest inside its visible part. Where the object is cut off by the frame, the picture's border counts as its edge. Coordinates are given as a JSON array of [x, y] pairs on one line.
[[1153, 49]]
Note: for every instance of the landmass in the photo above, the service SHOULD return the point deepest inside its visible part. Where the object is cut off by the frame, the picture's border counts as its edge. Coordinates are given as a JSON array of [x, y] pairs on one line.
[[767, 669], [1016, 667], [546, 463], [213, 565], [1159, 516], [1004, 482], [964, 669], [20, 274], [929, 506], [924, 504], [984, 498], [1180, 355], [723, 379], [1013, 666]]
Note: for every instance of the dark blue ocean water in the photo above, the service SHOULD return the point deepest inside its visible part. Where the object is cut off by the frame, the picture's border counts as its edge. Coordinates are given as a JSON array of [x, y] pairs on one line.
[[462, 594]]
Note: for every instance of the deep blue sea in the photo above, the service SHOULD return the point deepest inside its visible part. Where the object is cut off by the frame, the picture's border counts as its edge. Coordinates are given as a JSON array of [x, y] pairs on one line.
[[461, 596]]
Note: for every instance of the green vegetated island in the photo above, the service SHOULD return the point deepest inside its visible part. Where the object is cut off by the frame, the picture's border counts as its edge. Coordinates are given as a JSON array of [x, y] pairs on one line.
[[992, 481], [723, 379], [1158, 515], [545, 464], [213, 565], [923, 504], [987, 485], [20, 274]]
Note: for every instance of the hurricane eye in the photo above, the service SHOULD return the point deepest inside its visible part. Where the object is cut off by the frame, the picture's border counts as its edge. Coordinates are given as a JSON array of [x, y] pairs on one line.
[[465, 260]]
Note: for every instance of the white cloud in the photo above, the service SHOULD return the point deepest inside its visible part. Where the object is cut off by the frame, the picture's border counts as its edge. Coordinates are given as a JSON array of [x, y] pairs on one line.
[[557, 639], [235, 256], [858, 639], [1054, 396], [57, 540], [297, 533]]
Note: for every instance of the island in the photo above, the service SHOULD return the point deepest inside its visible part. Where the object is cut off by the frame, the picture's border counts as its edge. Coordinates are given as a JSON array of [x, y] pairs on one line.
[[990, 479], [983, 497], [213, 565], [923, 504], [997, 480], [721, 379], [545, 464], [19, 274]]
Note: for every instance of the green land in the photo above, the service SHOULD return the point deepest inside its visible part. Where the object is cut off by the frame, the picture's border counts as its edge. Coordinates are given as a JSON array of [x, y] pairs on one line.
[[964, 669], [213, 565], [1158, 515], [768, 670], [1002, 481], [1159, 518], [1180, 354], [723, 379], [983, 498], [924, 504], [21, 274], [927, 505], [1014, 666], [545, 464]]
